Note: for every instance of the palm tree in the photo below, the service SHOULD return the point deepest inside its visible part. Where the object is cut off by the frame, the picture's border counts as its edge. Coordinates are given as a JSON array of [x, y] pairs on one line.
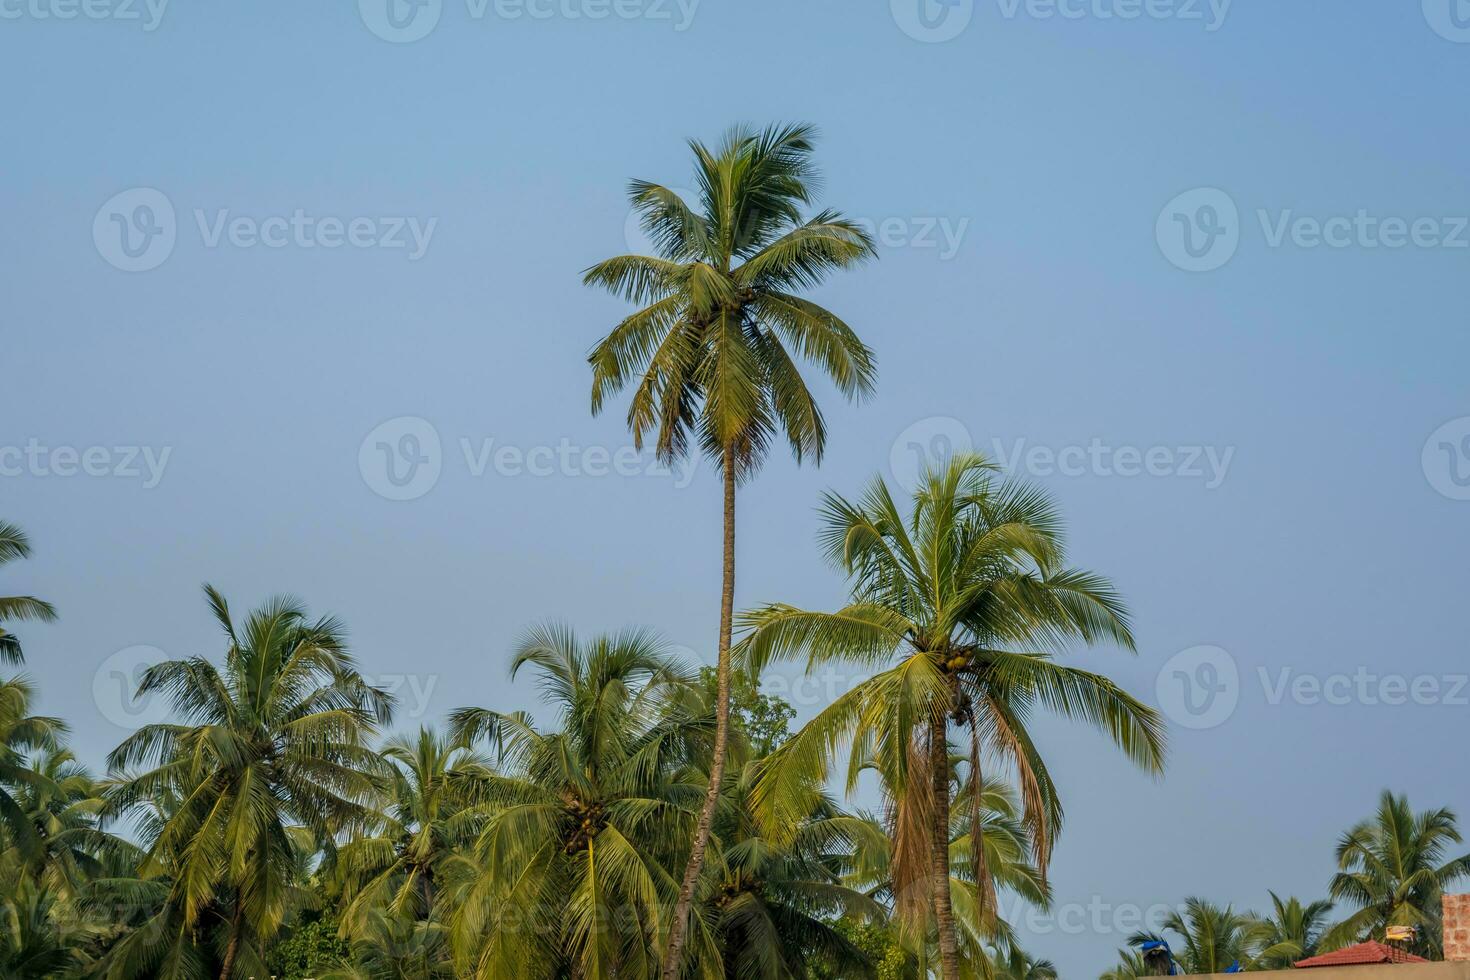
[[569, 875], [1394, 868], [1016, 964], [1217, 939], [776, 900], [20, 734], [1007, 844], [14, 545], [1130, 966], [397, 868], [270, 756], [1294, 925], [962, 607], [714, 348]]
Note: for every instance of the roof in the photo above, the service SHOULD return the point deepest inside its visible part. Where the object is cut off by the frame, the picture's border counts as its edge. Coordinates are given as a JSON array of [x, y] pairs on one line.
[[1362, 953]]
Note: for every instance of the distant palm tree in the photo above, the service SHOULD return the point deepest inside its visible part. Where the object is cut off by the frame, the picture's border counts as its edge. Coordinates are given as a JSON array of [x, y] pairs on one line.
[[776, 900], [1394, 868], [20, 734], [13, 546], [397, 868], [1295, 927], [961, 605], [568, 876], [1130, 966], [712, 351], [270, 754], [1216, 938], [1017, 964]]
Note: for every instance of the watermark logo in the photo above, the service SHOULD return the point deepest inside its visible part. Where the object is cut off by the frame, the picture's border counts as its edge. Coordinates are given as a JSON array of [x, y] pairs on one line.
[[401, 21], [115, 688], [413, 693], [135, 230], [932, 21], [926, 445], [401, 459], [1210, 13], [1450, 19], [1446, 459], [39, 460], [148, 13], [1199, 230], [1199, 687]]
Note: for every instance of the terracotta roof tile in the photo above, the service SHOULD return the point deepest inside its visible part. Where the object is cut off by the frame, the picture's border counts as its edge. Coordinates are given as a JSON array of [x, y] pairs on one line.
[[1369, 952]]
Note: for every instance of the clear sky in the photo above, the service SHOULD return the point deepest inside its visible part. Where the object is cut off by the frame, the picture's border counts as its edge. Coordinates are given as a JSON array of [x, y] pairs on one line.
[[1199, 270]]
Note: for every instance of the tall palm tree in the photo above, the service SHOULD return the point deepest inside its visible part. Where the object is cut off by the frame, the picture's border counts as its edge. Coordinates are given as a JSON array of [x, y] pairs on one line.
[[398, 866], [1216, 938], [712, 351], [271, 751], [961, 607], [13, 546], [1394, 867], [569, 876], [1296, 926]]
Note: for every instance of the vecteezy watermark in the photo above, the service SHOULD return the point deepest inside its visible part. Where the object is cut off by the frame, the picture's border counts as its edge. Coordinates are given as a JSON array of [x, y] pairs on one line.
[[402, 459], [115, 688], [1201, 687], [1200, 230], [943, 20], [137, 229], [404, 21], [1198, 687], [412, 692], [1450, 19], [929, 442], [147, 13], [1446, 459], [36, 459], [943, 234], [1097, 916]]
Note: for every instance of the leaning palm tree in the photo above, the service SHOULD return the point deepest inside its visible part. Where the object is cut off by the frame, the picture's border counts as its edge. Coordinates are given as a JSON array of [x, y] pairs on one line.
[[712, 351], [570, 875], [14, 545], [269, 754], [962, 607], [1394, 867], [1294, 926]]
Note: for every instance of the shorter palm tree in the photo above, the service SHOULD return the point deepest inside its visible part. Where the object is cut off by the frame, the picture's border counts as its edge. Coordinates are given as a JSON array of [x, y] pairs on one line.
[[1395, 867], [777, 901], [20, 734], [269, 758], [569, 876], [13, 546], [397, 868], [1217, 939], [1293, 926]]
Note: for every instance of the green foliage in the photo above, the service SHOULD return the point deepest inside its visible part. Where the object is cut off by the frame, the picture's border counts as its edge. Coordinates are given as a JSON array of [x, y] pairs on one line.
[[763, 720], [311, 949]]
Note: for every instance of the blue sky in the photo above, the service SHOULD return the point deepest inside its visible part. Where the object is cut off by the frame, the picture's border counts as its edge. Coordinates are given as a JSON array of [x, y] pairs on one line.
[[1199, 270]]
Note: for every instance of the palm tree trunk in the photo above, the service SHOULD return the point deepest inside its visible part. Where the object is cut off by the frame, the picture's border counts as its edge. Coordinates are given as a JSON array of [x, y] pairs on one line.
[[949, 955], [984, 885], [234, 945], [678, 929]]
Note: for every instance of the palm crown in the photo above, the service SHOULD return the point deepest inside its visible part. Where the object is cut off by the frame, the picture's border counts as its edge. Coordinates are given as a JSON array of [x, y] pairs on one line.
[[14, 545], [714, 344]]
